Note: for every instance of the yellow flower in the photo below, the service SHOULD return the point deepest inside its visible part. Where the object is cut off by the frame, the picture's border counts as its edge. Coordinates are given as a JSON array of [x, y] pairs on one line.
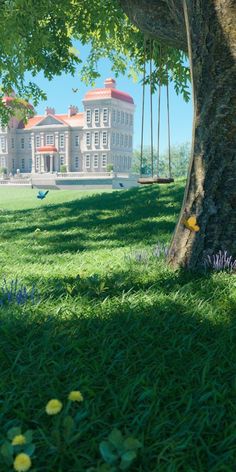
[[53, 407], [75, 396], [18, 440], [22, 462]]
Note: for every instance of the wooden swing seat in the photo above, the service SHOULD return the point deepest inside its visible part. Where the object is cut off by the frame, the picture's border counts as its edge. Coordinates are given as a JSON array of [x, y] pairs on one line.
[[155, 180]]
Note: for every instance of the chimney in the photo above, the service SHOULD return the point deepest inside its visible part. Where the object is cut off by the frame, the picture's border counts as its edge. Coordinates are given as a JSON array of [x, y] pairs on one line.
[[110, 83], [50, 111], [72, 110]]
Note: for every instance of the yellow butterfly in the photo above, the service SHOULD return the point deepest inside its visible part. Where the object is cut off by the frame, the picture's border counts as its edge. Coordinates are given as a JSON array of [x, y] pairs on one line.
[[191, 223]]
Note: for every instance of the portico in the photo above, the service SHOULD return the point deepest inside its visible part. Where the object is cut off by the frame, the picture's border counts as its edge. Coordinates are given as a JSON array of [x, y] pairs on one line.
[[47, 159]]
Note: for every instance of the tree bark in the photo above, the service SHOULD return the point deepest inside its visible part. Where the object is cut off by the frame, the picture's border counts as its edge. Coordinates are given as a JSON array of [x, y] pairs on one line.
[[210, 193]]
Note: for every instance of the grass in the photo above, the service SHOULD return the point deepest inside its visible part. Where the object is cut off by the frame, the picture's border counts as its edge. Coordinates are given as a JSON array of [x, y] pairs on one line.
[[151, 349]]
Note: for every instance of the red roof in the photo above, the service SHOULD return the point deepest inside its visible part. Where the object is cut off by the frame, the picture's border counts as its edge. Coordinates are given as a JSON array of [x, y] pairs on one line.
[[99, 93], [47, 149], [74, 120]]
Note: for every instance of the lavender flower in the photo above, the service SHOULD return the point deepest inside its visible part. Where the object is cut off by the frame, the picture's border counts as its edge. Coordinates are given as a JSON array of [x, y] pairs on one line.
[[220, 261]]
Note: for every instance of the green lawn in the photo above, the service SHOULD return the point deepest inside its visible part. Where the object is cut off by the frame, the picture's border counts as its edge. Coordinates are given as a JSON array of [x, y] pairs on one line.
[[151, 349]]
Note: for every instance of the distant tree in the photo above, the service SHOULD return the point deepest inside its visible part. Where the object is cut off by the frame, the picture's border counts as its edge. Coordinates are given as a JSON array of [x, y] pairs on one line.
[[180, 156], [63, 169]]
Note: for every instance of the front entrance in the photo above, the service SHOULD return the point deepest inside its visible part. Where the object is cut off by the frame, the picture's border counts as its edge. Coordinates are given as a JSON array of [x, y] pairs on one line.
[[48, 163]]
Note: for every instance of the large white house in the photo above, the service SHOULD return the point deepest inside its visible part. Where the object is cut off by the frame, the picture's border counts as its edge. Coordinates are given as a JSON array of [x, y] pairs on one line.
[[85, 142]]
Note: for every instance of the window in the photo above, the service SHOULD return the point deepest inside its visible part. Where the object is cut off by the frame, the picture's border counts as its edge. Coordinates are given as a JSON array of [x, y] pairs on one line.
[[113, 116], [104, 160], [13, 164], [30, 165], [122, 117], [37, 141], [105, 115], [126, 118], [30, 146], [3, 144], [118, 116], [12, 143], [96, 138], [37, 162], [88, 116], [88, 139], [126, 140], [121, 140], [113, 138], [131, 120], [77, 141], [96, 115], [62, 141], [104, 138], [117, 139], [22, 164], [62, 160], [130, 141], [87, 161], [76, 162], [95, 161], [22, 143], [125, 162], [49, 139]]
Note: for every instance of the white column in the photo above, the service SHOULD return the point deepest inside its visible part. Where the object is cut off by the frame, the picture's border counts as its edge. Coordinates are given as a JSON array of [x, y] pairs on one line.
[[51, 163]]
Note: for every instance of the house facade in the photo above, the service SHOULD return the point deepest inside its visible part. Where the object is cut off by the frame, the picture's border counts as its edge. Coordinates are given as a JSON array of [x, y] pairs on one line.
[[85, 141]]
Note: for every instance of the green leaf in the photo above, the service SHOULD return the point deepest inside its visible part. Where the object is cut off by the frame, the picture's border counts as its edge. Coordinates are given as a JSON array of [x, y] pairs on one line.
[[132, 444], [68, 425], [13, 432], [116, 438], [126, 459], [107, 452], [29, 449], [7, 450], [28, 436]]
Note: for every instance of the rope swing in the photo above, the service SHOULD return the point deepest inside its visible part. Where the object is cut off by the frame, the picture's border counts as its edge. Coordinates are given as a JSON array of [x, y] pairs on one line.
[[154, 179]]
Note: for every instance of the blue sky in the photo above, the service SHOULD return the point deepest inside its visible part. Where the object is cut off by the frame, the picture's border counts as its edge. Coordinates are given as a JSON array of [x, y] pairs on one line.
[[60, 95]]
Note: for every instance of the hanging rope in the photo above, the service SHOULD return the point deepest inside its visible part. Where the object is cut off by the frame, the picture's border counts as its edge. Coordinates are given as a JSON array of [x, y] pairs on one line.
[[159, 118], [151, 111], [143, 104], [168, 126]]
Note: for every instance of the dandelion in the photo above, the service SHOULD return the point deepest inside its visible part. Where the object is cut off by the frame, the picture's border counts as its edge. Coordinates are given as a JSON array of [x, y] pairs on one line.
[[53, 407], [18, 440], [22, 462], [75, 396]]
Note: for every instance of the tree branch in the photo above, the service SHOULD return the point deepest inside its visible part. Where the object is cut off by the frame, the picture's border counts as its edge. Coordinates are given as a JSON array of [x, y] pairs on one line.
[[160, 19]]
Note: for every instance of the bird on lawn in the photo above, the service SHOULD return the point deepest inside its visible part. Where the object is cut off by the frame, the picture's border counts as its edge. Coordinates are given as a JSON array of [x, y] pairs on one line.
[[121, 185], [41, 195]]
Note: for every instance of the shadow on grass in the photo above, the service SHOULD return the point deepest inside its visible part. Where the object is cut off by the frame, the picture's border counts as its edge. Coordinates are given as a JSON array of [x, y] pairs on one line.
[[117, 219], [158, 371]]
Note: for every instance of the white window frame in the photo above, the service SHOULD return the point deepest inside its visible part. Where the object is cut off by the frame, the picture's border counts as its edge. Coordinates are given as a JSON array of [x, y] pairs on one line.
[[88, 116], [96, 138], [96, 115], [122, 140], [49, 139], [37, 141], [87, 161], [118, 116], [104, 138], [62, 141], [88, 139], [37, 162], [12, 143], [30, 143], [62, 160], [22, 143], [76, 141], [105, 115], [23, 164], [95, 161], [104, 160]]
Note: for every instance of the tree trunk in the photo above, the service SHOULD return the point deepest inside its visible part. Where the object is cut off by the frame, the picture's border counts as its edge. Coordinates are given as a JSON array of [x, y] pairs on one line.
[[211, 186]]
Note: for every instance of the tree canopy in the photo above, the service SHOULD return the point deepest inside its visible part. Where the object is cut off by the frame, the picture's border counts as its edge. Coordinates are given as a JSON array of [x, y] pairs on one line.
[[40, 36]]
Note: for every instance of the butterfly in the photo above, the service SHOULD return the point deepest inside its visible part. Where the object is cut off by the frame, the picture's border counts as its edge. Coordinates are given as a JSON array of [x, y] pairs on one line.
[[191, 223], [75, 89], [41, 195]]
